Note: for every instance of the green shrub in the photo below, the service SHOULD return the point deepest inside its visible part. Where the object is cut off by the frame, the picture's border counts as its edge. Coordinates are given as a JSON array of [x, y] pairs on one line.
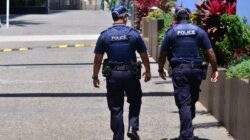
[[237, 36], [239, 69], [168, 18]]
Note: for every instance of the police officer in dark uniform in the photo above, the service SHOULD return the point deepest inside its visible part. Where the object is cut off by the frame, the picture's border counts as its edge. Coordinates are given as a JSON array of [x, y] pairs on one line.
[[122, 71], [181, 46]]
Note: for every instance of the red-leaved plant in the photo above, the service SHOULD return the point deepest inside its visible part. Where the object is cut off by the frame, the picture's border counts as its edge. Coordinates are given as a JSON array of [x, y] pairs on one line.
[[208, 17], [143, 9], [210, 12]]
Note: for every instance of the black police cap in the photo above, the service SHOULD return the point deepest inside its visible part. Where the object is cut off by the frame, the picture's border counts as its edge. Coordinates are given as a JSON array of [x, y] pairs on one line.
[[182, 12], [120, 11]]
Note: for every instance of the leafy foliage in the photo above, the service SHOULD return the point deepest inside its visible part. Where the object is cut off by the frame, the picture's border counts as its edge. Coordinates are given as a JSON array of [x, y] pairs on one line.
[[239, 69], [168, 20], [143, 9], [109, 2], [210, 12], [236, 38], [209, 17], [144, 5], [166, 5], [156, 14]]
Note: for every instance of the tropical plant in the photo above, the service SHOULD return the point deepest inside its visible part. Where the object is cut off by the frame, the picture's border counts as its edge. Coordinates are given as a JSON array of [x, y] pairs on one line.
[[235, 40], [155, 14], [168, 20], [166, 5], [109, 2], [143, 7], [208, 16], [210, 12]]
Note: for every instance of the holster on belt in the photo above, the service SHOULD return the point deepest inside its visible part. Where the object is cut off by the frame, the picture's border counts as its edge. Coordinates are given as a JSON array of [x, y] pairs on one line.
[[135, 69], [204, 68], [106, 69]]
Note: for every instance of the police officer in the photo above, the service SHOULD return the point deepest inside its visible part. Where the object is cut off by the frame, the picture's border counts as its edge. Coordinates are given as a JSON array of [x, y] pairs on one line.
[[181, 46], [122, 71]]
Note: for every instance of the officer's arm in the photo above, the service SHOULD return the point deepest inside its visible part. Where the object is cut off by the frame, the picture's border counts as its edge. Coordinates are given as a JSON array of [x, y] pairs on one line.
[[145, 61], [97, 65], [142, 50], [212, 59], [211, 56], [165, 49], [162, 60]]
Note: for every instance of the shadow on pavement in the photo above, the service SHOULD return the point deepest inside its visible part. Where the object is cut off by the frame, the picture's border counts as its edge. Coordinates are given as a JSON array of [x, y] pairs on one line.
[[23, 23], [163, 82], [49, 64], [23, 95], [197, 112], [207, 125], [195, 138]]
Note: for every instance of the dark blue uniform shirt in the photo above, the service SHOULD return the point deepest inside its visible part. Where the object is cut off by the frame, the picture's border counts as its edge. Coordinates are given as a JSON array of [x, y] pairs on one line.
[[120, 43], [183, 41]]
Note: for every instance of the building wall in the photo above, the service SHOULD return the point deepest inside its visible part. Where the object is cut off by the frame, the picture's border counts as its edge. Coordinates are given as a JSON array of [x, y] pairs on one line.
[[40, 6], [24, 6], [228, 101], [66, 4]]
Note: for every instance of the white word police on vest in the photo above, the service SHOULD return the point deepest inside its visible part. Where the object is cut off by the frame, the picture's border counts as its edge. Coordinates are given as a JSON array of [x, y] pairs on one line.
[[119, 38], [186, 33]]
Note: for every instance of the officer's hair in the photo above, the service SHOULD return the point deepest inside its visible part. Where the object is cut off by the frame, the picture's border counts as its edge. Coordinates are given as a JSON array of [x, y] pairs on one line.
[[182, 14], [115, 17], [182, 17]]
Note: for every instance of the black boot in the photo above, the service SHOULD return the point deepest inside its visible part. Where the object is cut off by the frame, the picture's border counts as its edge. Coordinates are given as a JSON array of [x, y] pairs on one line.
[[132, 134]]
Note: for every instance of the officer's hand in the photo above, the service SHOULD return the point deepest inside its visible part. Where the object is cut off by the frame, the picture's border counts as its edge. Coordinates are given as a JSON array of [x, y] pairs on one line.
[[163, 75], [214, 77], [96, 83], [147, 76]]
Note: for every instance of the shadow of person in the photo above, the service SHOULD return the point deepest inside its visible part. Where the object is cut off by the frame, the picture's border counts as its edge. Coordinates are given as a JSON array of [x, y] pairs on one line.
[[195, 138]]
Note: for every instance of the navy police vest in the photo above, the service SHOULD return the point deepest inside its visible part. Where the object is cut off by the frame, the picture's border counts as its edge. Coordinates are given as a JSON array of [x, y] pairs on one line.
[[185, 44], [119, 48]]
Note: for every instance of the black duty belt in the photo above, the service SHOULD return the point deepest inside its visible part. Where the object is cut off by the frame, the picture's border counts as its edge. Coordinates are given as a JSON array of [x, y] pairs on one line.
[[188, 66], [121, 68]]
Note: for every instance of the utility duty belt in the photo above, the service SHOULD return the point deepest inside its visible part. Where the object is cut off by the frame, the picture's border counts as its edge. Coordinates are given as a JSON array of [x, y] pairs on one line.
[[121, 67], [108, 67], [203, 67], [193, 66]]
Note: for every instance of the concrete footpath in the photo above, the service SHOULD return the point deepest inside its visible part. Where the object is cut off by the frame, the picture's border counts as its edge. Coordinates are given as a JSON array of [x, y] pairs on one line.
[[47, 94]]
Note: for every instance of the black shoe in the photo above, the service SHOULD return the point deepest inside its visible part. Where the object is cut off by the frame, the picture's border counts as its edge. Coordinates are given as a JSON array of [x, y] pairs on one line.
[[132, 134]]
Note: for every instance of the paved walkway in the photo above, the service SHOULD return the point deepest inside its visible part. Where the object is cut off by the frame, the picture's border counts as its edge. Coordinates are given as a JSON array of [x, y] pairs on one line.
[[47, 94], [36, 38]]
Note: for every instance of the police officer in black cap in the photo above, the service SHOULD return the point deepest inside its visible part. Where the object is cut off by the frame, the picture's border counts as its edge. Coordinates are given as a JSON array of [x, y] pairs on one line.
[[181, 46], [122, 71]]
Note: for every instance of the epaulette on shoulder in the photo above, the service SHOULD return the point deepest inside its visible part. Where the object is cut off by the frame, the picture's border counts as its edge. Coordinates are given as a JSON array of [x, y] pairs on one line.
[[132, 29], [171, 28], [104, 31], [201, 27]]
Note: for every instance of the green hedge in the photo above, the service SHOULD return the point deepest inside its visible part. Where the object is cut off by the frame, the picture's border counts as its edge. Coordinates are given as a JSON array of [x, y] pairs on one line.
[[168, 18], [239, 69]]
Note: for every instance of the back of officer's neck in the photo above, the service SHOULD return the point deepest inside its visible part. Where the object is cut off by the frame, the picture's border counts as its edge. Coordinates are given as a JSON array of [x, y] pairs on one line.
[[183, 21], [119, 22]]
